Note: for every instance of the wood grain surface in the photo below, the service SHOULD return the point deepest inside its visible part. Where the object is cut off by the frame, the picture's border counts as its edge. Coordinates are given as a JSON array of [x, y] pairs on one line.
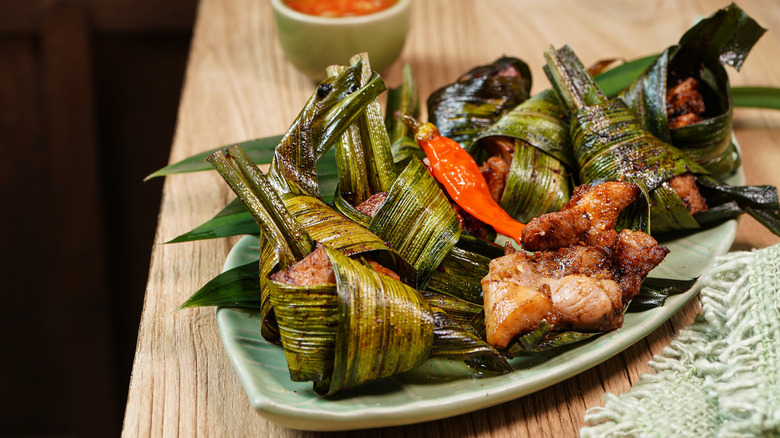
[[238, 86]]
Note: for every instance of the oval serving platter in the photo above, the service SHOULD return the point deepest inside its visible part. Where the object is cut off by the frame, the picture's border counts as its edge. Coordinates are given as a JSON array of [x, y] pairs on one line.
[[441, 388]]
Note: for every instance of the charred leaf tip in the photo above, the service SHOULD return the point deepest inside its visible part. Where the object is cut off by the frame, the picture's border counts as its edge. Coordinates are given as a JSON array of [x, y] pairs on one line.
[[324, 89]]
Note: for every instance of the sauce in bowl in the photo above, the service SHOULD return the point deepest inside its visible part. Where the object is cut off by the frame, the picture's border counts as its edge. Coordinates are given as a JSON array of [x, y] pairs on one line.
[[339, 8]]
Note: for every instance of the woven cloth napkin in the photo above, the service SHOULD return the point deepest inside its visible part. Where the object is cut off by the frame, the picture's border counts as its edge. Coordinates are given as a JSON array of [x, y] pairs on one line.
[[721, 376]]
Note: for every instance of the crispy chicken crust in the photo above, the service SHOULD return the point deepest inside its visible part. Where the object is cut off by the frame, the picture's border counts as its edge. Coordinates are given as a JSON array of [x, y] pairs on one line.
[[684, 104], [313, 269], [588, 217], [685, 187], [580, 273]]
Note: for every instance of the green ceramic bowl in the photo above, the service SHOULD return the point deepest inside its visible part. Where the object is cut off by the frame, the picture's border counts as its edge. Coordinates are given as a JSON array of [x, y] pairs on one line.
[[312, 43]]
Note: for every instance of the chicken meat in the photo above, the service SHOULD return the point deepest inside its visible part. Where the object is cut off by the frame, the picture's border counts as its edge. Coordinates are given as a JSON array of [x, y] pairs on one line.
[[578, 272]]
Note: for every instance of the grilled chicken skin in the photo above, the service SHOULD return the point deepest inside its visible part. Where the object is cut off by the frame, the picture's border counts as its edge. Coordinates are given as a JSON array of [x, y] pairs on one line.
[[579, 272]]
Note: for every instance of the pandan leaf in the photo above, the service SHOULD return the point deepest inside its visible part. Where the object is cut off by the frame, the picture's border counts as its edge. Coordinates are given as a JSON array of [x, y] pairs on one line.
[[655, 291], [616, 79], [453, 341], [264, 203], [543, 339], [760, 202], [460, 275], [417, 220], [756, 97], [261, 151], [238, 287], [308, 320], [404, 99], [464, 109], [364, 158], [459, 310], [337, 103], [233, 220], [474, 244]]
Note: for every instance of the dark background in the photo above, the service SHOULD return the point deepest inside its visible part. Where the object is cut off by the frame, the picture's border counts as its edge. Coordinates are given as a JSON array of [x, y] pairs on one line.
[[89, 91]]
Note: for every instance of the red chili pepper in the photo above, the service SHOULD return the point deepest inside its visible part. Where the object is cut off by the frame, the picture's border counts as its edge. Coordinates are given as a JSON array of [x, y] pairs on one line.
[[457, 171]]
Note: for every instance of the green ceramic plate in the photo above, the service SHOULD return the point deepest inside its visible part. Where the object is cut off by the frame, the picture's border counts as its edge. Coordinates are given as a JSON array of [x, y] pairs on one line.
[[441, 388]]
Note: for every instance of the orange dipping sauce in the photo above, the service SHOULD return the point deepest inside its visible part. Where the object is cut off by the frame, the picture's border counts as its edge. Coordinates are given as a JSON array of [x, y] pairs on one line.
[[339, 8]]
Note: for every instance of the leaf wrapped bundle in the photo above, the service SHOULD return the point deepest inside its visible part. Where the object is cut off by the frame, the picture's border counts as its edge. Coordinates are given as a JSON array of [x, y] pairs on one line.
[[633, 154], [611, 144], [464, 109], [726, 37], [539, 179], [364, 327], [404, 99], [336, 104], [363, 155], [290, 226], [417, 220]]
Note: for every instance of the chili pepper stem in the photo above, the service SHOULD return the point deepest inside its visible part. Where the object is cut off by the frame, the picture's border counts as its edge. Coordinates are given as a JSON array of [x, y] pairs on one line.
[[422, 131]]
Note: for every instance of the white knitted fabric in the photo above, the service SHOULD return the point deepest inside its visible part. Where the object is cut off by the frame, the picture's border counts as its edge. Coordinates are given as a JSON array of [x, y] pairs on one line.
[[721, 376]]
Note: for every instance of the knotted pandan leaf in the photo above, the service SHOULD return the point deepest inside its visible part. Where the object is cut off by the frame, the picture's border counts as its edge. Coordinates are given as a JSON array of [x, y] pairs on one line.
[[725, 38], [611, 144], [363, 155], [541, 164], [417, 221], [464, 109], [291, 223], [338, 102], [364, 327]]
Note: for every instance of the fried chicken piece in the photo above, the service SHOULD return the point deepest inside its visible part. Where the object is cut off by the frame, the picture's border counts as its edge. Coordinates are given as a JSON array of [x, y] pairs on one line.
[[371, 206], [583, 288], [503, 147], [313, 269], [579, 287], [684, 104], [582, 273], [576, 259], [685, 187], [512, 304], [635, 255], [384, 271], [316, 268], [589, 216], [495, 170], [586, 304], [521, 290]]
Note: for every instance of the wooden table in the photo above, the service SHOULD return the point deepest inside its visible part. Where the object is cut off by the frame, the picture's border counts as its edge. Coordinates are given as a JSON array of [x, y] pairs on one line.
[[238, 86]]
